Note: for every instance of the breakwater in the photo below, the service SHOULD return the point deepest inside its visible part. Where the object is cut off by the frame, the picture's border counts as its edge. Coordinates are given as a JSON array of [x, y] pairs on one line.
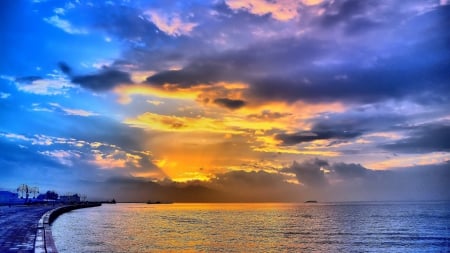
[[44, 242]]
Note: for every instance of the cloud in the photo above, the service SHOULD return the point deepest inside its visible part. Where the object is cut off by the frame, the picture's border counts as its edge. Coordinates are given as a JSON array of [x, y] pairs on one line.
[[345, 181], [234, 186], [312, 2], [70, 153], [197, 73], [347, 125], [308, 136], [105, 79], [343, 11], [67, 111], [268, 115], [173, 123], [255, 186], [54, 84], [155, 102], [282, 10], [66, 69], [232, 104], [310, 173], [127, 24], [300, 79], [172, 25], [12, 157], [62, 156], [423, 139], [348, 171], [64, 25], [60, 11], [305, 67], [4, 95], [320, 180]]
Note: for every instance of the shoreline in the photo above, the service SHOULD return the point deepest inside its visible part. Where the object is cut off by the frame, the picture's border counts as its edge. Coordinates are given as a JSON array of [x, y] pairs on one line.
[[44, 242]]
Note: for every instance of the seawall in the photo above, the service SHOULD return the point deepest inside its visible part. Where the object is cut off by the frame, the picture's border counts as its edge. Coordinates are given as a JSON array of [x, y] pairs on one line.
[[44, 242]]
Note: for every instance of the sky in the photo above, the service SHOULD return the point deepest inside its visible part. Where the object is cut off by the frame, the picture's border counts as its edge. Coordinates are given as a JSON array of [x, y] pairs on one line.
[[227, 100]]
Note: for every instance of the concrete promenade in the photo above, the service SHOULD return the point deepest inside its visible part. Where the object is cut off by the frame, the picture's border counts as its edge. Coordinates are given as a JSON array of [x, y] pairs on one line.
[[18, 226], [28, 228]]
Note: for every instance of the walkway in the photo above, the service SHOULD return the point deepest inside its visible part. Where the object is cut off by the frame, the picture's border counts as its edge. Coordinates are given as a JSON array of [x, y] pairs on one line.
[[18, 226]]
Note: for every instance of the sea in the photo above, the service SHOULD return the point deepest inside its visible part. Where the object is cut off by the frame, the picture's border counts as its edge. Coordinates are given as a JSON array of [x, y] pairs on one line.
[[262, 227]]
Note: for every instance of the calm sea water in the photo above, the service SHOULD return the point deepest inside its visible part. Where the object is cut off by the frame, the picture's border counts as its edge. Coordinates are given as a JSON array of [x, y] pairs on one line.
[[341, 227]]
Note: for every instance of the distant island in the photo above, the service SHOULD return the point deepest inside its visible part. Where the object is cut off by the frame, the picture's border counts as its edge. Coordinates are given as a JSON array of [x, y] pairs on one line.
[[311, 201], [158, 202]]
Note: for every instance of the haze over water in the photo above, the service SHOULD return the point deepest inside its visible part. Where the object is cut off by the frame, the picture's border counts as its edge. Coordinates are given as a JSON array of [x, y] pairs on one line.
[[268, 227]]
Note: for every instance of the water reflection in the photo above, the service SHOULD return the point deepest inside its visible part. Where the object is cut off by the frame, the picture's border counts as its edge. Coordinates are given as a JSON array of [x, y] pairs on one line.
[[354, 227]]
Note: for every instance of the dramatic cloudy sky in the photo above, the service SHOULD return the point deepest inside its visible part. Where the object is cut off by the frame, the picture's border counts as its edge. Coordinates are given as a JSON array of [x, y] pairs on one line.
[[227, 100]]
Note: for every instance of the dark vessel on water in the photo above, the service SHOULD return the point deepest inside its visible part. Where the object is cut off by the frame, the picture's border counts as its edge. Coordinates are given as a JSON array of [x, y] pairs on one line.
[[158, 202]]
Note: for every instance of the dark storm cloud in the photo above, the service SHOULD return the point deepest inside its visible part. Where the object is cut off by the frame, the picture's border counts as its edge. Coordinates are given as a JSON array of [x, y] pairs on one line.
[[424, 139], [234, 186], [321, 180], [255, 186], [309, 172], [317, 69], [392, 78], [232, 104], [412, 183], [341, 127], [194, 74], [346, 181], [352, 170], [243, 64], [131, 189], [308, 136], [66, 69], [161, 52], [311, 67], [106, 79]]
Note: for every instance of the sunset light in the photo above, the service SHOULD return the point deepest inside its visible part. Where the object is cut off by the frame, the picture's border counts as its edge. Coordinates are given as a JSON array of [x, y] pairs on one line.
[[308, 98]]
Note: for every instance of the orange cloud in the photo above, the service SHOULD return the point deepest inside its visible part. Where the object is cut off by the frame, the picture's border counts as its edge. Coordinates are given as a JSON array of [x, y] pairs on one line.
[[180, 124], [108, 162], [312, 2], [271, 145], [182, 155], [282, 10], [201, 139], [172, 25], [115, 159]]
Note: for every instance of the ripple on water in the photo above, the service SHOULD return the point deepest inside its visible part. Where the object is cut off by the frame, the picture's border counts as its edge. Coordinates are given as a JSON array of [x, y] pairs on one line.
[[256, 228]]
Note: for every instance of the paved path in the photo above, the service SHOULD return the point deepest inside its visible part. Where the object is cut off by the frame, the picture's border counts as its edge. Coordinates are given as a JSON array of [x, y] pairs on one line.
[[18, 226]]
